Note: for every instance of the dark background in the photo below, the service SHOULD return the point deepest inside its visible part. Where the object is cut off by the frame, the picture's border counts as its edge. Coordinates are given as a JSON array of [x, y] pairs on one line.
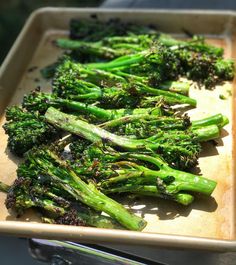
[[13, 14]]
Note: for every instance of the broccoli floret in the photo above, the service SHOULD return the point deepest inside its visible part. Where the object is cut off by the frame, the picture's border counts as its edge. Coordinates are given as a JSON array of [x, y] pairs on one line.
[[117, 172], [39, 101], [26, 130], [46, 163], [180, 148], [27, 193], [160, 63], [117, 89], [168, 180], [205, 69]]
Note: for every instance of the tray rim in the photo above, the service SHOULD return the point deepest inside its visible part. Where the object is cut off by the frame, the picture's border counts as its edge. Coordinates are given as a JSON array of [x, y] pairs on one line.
[[98, 235]]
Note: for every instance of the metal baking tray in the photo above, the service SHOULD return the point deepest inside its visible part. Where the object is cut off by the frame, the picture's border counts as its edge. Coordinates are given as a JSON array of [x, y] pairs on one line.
[[209, 223]]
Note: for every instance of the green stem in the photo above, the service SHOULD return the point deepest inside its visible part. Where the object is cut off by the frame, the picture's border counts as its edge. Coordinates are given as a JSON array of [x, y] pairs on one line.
[[162, 89], [91, 217], [124, 60], [4, 187], [207, 133], [67, 179], [216, 119], [182, 198], [152, 191], [86, 108], [177, 87], [106, 114], [177, 98], [88, 131], [96, 134], [224, 122], [89, 48], [183, 181], [100, 221], [196, 183], [128, 119]]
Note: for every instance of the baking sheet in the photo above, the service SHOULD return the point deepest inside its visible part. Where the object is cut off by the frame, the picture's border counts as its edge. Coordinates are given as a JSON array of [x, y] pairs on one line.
[[212, 218]]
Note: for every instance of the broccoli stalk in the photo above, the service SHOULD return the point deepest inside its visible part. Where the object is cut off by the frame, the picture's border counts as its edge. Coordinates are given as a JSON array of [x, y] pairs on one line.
[[167, 179], [39, 101], [117, 172], [196, 44], [145, 122], [217, 119], [143, 126], [151, 191], [94, 50], [115, 46], [158, 64], [168, 123], [101, 162], [180, 62], [67, 83], [180, 148], [129, 60], [24, 194], [45, 163], [163, 64]]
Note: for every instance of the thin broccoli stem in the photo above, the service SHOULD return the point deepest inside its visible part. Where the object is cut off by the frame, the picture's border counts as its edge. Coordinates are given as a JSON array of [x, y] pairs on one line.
[[98, 220], [127, 119], [205, 185], [89, 216], [196, 44], [97, 76], [89, 48], [4, 187], [183, 181], [162, 89], [105, 114], [86, 108], [217, 119], [43, 101], [95, 134], [224, 122], [89, 96], [75, 44], [177, 98], [206, 133], [193, 182], [129, 48], [124, 60], [182, 198], [171, 86], [91, 220], [175, 86], [203, 134], [68, 180], [165, 89], [152, 191]]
